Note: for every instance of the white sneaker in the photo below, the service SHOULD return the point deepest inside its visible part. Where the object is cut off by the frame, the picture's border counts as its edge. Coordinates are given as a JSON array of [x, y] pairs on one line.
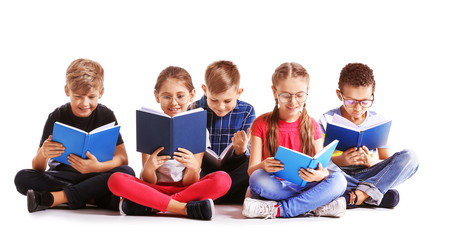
[[255, 208], [336, 208]]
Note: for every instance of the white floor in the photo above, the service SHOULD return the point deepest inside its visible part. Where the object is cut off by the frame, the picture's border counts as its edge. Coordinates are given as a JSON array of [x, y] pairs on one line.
[[417, 215]]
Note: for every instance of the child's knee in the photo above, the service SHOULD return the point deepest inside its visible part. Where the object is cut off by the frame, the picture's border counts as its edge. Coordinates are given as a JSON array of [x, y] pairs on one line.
[[223, 180], [339, 182], [408, 160], [262, 183], [116, 182]]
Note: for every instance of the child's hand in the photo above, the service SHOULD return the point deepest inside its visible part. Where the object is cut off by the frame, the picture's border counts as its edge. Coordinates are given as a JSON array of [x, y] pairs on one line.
[[311, 175], [351, 156], [272, 165], [89, 165], [366, 158], [51, 149], [240, 141], [187, 159], [157, 161]]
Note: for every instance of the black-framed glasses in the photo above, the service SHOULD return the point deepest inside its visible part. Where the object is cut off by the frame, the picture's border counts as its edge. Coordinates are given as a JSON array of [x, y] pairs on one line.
[[367, 103], [285, 97]]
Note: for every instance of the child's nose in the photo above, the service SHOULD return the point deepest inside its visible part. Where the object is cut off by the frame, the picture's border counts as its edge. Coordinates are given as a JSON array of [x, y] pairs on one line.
[[86, 101]]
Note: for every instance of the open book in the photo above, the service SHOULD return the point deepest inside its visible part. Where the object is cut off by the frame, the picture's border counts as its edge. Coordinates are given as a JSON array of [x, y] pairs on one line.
[[155, 129], [214, 160], [293, 161], [373, 136], [100, 142]]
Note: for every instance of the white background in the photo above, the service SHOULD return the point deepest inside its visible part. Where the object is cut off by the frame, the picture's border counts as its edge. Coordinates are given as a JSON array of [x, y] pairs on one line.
[[412, 46]]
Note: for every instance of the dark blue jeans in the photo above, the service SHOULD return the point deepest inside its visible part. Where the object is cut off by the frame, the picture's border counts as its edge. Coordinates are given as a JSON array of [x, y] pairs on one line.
[[79, 188]]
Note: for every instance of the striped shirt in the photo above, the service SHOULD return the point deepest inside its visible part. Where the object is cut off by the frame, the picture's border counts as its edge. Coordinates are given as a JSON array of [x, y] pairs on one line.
[[221, 129]]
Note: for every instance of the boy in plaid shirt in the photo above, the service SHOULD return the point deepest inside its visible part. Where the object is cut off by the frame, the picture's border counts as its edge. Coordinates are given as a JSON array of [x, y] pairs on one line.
[[228, 119]]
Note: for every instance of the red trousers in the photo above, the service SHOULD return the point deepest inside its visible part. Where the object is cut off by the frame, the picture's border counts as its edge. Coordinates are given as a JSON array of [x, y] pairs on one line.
[[213, 185]]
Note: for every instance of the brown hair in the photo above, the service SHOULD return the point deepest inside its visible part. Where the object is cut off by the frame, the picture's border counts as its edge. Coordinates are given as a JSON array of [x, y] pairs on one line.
[[84, 74], [221, 76], [285, 72], [357, 75], [176, 73]]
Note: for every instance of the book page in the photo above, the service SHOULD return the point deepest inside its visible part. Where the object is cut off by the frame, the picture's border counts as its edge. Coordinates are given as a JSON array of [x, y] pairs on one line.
[[325, 149], [343, 122], [190, 112], [222, 155], [71, 127], [375, 120], [102, 128], [153, 111]]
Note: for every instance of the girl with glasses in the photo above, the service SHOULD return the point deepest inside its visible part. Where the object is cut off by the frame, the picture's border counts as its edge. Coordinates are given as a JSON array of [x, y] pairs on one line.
[[289, 125], [171, 183]]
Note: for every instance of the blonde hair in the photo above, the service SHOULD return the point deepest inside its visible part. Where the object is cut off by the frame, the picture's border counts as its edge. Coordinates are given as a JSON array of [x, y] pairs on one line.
[[285, 72], [221, 76], [84, 74]]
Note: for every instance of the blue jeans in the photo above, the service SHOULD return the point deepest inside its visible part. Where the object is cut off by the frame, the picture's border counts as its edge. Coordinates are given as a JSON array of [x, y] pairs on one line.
[[293, 199], [375, 181]]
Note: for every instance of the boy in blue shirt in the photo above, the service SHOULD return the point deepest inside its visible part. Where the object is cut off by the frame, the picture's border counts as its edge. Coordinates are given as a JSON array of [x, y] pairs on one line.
[[84, 180], [370, 178], [228, 119]]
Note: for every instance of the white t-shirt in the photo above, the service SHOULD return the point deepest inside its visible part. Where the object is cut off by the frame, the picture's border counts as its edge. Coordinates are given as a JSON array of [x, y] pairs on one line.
[[172, 170]]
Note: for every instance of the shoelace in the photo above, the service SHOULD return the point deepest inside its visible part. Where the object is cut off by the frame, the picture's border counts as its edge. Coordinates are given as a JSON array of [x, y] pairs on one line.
[[266, 208]]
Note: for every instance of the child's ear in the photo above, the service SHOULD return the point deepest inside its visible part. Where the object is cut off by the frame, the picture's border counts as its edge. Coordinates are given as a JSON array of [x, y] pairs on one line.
[[192, 95], [67, 91], [240, 91], [101, 92], [337, 91], [204, 89], [157, 97]]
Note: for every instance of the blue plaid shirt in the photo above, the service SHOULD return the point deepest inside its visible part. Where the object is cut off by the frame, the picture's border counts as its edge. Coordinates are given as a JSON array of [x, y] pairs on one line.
[[221, 129]]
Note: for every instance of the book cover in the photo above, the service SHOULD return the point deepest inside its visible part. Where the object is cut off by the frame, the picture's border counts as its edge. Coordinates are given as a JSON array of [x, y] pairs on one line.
[[100, 142], [373, 136], [293, 161], [155, 129]]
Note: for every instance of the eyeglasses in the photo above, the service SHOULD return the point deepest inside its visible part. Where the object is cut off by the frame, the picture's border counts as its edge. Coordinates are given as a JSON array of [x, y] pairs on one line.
[[352, 103], [180, 99], [285, 97]]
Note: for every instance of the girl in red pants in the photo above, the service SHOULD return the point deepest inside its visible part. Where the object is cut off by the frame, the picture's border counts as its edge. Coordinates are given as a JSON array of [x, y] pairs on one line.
[[171, 184]]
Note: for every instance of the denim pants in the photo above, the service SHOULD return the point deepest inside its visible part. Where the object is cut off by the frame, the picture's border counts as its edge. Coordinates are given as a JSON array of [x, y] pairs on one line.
[[79, 188], [378, 179], [293, 199]]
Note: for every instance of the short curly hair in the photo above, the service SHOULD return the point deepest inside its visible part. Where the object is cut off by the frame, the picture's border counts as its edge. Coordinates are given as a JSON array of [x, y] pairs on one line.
[[357, 75]]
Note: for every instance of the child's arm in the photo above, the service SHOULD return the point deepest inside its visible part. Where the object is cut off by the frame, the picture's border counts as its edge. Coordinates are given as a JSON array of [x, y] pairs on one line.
[[192, 162], [150, 163], [49, 149], [269, 164], [384, 153]]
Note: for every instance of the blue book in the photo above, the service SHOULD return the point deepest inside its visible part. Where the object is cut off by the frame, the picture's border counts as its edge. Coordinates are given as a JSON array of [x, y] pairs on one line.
[[374, 135], [155, 129], [100, 142], [293, 161]]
